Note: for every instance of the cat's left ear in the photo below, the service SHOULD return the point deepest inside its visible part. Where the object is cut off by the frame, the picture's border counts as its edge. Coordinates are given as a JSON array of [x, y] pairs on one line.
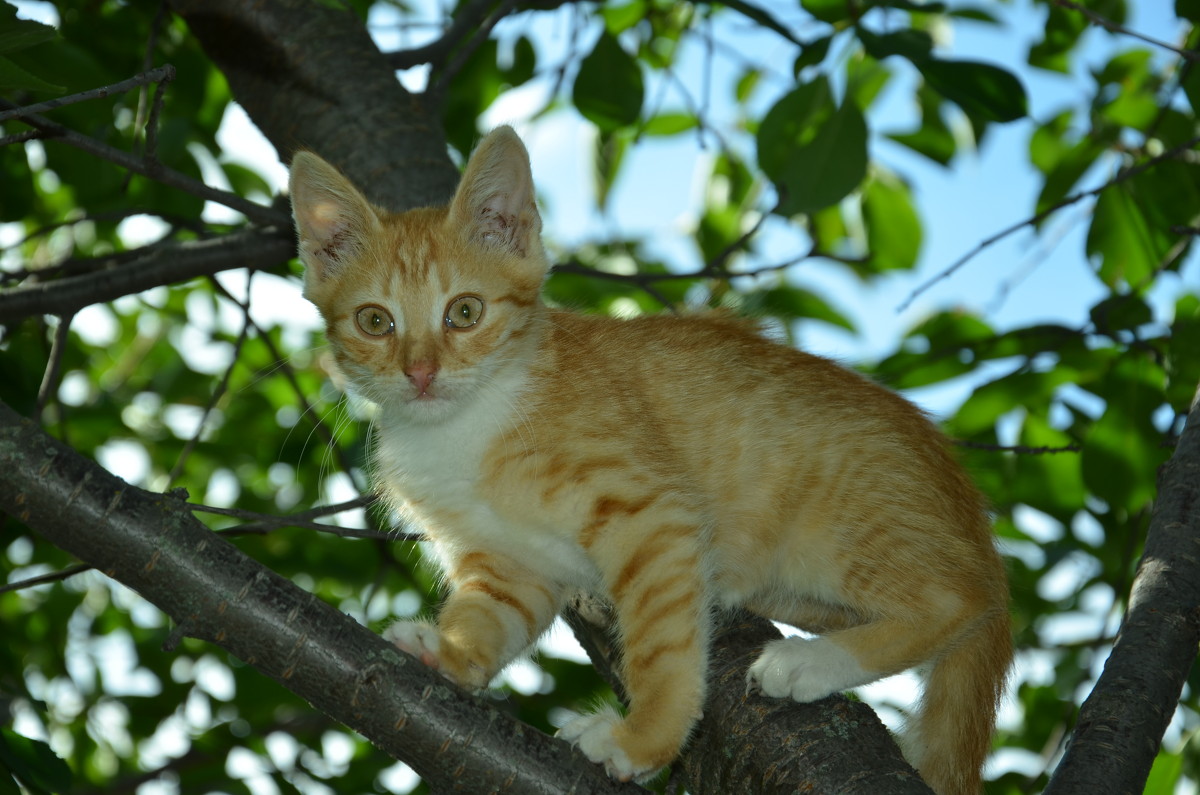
[[495, 201], [333, 220]]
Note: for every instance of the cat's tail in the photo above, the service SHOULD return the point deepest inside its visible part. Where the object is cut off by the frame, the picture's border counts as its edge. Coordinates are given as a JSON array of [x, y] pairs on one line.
[[950, 736]]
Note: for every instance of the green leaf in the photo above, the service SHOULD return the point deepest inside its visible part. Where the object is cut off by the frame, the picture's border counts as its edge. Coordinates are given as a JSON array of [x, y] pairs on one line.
[[608, 89], [795, 303], [622, 17], [915, 45], [669, 124], [811, 54], [1165, 773], [746, 84], [33, 763], [756, 14], [1060, 35], [1120, 241], [15, 78], [1050, 482], [936, 350], [1120, 312], [19, 34], [983, 91], [610, 154], [1122, 450], [933, 138], [524, 63], [892, 224], [1182, 364], [16, 200], [831, 11], [815, 153]]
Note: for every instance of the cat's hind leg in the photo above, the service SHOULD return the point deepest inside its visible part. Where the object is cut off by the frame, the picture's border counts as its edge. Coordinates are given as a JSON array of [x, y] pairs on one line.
[[809, 669]]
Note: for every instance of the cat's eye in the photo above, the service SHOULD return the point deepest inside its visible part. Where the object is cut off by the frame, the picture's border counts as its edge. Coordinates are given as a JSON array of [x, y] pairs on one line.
[[464, 311], [374, 321]]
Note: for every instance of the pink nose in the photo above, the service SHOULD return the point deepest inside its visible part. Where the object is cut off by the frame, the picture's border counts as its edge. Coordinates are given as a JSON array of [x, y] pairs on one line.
[[421, 374]]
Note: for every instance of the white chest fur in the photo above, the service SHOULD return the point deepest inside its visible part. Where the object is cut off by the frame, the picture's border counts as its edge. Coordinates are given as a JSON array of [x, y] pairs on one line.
[[434, 473]]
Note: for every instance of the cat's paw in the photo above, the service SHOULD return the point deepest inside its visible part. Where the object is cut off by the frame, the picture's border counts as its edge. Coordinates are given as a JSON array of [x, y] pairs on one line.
[[805, 670], [595, 735], [418, 638], [465, 666]]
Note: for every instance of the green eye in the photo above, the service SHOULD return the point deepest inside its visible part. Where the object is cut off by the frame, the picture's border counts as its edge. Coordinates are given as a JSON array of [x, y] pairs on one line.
[[464, 311], [374, 321]]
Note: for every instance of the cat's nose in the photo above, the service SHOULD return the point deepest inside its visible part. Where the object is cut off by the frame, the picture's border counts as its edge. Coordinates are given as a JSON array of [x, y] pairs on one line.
[[421, 374]]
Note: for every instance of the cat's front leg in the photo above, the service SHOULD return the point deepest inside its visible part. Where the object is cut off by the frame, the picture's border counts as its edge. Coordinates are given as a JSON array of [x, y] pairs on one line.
[[495, 609], [654, 571]]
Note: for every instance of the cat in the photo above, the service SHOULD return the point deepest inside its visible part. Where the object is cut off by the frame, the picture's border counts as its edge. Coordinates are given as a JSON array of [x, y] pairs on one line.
[[672, 465]]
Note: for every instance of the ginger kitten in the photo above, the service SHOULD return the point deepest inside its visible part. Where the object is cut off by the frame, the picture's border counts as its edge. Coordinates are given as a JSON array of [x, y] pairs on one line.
[[672, 465]]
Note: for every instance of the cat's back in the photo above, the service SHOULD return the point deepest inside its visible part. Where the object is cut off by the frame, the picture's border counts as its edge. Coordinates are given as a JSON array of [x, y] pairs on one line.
[[710, 361], [710, 396]]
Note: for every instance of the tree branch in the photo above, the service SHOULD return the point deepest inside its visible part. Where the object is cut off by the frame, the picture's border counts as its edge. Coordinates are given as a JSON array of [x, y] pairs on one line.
[[157, 265], [310, 77], [465, 22], [1122, 176], [1113, 27], [1121, 723], [747, 742], [163, 73], [146, 167], [214, 592]]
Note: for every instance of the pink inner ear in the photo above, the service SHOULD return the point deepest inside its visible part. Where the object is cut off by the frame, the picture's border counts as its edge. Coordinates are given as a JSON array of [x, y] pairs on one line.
[[500, 222]]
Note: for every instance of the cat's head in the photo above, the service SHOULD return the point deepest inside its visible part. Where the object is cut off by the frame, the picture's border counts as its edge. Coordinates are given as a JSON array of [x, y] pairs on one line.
[[424, 308]]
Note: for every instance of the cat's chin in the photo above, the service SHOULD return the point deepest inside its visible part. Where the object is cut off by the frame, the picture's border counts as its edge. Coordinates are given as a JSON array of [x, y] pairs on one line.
[[424, 408]]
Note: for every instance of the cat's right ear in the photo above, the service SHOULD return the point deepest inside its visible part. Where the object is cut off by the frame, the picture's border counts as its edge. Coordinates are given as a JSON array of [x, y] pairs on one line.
[[333, 220]]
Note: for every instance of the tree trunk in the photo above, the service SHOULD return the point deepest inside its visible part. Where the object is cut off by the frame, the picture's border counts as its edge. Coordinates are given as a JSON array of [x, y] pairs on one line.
[[1121, 723]]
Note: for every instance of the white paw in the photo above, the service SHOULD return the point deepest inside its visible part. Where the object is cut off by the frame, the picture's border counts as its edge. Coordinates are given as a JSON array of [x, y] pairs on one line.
[[418, 638], [805, 670], [593, 734]]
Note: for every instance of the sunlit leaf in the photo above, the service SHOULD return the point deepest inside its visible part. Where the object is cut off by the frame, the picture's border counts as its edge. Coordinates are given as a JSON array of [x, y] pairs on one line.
[[892, 224]]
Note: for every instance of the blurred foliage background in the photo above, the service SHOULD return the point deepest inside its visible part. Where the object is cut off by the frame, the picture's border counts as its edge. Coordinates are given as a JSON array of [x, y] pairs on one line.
[[215, 385]]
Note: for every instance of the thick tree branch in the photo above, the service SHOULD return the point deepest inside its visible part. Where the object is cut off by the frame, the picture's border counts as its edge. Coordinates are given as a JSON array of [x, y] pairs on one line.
[[1122, 722], [310, 77], [157, 265], [212, 591], [751, 743]]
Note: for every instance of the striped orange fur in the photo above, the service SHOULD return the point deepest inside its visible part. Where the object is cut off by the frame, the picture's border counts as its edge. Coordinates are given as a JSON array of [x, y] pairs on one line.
[[673, 465]]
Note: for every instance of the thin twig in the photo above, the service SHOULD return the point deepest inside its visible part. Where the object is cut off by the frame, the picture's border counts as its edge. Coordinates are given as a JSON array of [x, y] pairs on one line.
[[1020, 449], [1121, 176], [151, 169], [50, 377], [45, 579], [22, 137], [162, 73], [220, 391], [463, 24], [464, 52], [1113, 27], [327, 436], [261, 523], [160, 94]]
